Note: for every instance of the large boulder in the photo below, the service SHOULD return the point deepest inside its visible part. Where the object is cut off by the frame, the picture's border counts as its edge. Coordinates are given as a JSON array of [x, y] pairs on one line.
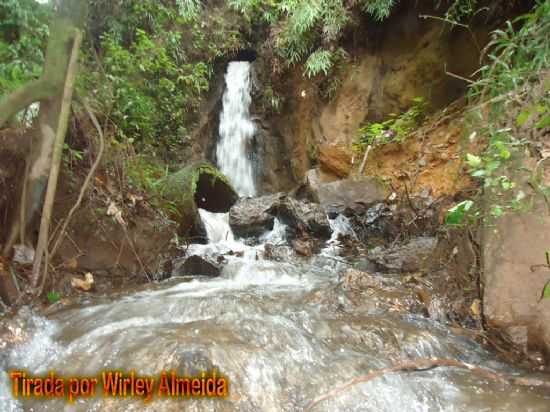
[[199, 185], [197, 266], [353, 193], [515, 276], [335, 159], [252, 217], [303, 216]]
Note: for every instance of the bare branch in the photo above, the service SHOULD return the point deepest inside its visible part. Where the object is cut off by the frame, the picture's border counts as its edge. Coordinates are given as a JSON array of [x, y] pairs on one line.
[[425, 364], [89, 177]]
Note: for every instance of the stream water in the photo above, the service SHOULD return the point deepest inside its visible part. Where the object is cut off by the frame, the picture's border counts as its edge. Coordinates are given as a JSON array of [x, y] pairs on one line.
[[282, 332]]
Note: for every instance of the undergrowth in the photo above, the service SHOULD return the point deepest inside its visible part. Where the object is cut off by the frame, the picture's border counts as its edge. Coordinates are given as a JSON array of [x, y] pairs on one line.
[[510, 119], [395, 129]]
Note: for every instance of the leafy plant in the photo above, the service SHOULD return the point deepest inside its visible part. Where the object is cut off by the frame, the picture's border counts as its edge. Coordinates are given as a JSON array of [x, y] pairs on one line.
[[53, 297], [511, 85], [23, 35], [395, 129], [319, 61], [457, 215]]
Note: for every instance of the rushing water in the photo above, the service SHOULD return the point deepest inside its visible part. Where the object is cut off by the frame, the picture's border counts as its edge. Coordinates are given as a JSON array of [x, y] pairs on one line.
[[237, 129], [283, 333]]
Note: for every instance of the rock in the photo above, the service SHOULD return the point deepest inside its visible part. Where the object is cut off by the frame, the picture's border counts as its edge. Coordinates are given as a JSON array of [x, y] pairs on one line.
[[279, 253], [409, 257], [83, 285], [199, 185], [251, 217], [352, 193], [372, 293], [197, 266], [356, 279], [335, 159], [302, 216], [512, 291], [302, 247], [23, 254]]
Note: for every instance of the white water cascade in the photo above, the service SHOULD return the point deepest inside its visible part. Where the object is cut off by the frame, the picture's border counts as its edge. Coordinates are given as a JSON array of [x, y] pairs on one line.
[[237, 129]]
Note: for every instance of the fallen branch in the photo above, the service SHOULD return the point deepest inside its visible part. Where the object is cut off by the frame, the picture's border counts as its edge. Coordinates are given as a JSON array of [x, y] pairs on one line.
[[419, 365]]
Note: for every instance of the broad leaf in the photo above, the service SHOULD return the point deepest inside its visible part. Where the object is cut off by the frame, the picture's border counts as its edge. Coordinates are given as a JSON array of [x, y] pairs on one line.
[[456, 215], [473, 160]]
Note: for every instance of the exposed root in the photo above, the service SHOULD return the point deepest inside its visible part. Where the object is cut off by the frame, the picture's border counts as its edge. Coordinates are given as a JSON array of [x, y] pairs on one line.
[[87, 181], [418, 365]]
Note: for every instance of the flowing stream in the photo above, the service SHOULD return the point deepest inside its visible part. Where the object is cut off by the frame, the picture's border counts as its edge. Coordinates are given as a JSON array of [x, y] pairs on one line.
[[283, 332]]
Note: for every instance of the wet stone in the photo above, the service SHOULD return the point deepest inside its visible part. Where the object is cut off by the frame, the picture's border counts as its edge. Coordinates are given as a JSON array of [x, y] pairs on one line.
[[198, 266], [412, 256]]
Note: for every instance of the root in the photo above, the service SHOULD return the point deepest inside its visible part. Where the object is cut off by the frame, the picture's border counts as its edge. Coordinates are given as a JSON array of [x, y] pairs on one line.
[[87, 181], [426, 364]]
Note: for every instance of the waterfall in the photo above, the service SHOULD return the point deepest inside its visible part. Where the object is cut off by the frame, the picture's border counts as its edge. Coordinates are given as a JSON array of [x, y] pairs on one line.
[[217, 226], [237, 130]]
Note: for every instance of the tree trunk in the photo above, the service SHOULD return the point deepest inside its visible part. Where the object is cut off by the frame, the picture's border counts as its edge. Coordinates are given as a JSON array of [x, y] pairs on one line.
[[57, 148], [49, 91]]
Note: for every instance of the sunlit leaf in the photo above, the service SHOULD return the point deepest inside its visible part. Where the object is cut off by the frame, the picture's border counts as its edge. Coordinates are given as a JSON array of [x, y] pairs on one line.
[[473, 161], [457, 214]]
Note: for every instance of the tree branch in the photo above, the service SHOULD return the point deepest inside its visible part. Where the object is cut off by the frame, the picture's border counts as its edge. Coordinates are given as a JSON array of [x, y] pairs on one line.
[[34, 91], [418, 365]]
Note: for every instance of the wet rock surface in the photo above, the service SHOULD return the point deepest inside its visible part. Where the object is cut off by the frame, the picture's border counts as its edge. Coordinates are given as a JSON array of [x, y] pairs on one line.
[[356, 194], [198, 266], [251, 217], [302, 216], [371, 293], [279, 253], [254, 216], [411, 256]]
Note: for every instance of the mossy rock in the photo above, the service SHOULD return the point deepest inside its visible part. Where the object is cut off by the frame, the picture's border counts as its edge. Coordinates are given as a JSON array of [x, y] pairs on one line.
[[199, 185]]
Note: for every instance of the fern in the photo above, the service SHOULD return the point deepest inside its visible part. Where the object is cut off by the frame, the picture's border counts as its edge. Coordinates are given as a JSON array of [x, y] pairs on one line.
[[379, 9], [319, 61], [189, 9]]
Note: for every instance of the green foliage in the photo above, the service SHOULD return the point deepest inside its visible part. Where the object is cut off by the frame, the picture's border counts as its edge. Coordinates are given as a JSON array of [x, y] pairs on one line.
[[379, 9], [145, 175], [395, 129], [518, 103], [457, 216], [23, 36], [154, 67], [461, 10], [319, 61], [546, 290], [151, 92], [53, 297], [303, 30]]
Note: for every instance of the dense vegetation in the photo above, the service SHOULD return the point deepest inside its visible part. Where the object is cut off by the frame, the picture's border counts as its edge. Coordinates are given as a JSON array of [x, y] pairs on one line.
[[510, 114], [148, 65]]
